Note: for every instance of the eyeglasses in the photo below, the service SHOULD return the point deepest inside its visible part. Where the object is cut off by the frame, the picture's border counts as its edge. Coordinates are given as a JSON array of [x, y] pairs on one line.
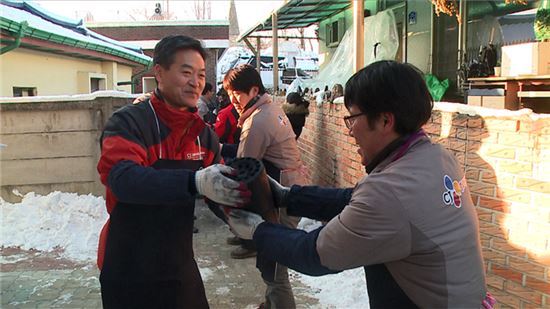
[[348, 120]]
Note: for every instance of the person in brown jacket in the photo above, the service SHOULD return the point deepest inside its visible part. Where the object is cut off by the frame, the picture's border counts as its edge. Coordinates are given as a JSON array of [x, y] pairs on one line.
[[267, 135], [410, 223]]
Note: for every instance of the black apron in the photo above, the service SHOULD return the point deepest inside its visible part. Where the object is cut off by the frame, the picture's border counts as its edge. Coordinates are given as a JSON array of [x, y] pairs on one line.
[[149, 260]]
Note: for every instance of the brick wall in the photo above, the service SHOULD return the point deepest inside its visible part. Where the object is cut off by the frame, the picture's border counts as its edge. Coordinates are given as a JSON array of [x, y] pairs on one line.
[[506, 158], [204, 32], [156, 32]]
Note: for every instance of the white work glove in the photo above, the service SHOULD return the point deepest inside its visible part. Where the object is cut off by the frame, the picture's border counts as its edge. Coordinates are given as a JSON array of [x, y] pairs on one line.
[[142, 98], [243, 223], [214, 185]]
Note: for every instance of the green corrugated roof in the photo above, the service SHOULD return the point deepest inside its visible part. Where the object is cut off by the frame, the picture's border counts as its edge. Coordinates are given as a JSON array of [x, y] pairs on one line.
[[300, 14]]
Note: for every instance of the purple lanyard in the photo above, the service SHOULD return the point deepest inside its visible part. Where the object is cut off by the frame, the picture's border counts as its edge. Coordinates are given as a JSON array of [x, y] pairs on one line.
[[420, 133]]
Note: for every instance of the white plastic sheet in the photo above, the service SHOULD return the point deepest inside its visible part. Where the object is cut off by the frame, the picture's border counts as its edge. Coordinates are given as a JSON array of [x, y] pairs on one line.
[[380, 30]]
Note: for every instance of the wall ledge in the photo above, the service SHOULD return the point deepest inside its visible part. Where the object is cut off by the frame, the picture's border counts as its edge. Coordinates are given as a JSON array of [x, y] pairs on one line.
[[74, 97], [486, 112]]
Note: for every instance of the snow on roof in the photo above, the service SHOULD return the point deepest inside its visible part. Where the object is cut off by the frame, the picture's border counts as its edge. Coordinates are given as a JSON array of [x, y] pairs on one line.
[[153, 23], [40, 19], [75, 97]]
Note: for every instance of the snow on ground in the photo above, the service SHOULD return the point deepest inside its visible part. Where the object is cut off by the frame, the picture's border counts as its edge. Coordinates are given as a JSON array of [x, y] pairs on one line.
[[347, 289], [72, 222], [343, 290], [59, 220]]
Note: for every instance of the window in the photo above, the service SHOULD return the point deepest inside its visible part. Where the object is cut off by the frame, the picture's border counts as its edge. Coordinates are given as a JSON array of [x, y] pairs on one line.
[[97, 84], [24, 91], [149, 84], [334, 32], [89, 82]]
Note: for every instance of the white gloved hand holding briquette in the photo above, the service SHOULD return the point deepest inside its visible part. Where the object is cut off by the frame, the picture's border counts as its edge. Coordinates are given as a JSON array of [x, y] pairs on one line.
[[243, 223], [213, 183]]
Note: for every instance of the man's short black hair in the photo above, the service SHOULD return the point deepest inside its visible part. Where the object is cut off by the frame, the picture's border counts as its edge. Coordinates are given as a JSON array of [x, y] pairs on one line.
[[207, 87], [390, 86], [167, 47], [243, 78]]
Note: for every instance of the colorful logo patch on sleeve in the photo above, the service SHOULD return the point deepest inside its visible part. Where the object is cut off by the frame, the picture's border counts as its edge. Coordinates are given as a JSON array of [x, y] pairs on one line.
[[453, 191]]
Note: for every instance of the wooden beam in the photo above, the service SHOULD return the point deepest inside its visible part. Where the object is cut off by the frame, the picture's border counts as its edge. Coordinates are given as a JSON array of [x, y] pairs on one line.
[[358, 35], [247, 42]]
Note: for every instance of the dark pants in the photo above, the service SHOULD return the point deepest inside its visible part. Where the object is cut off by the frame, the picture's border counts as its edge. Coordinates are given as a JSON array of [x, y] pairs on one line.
[[159, 294], [248, 244]]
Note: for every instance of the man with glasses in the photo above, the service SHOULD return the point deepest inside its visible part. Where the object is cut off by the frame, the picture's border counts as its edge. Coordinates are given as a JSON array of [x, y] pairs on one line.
[[410, 222]]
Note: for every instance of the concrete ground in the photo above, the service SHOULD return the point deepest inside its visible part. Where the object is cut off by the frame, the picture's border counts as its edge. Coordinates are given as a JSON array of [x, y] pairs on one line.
[[33, 279]]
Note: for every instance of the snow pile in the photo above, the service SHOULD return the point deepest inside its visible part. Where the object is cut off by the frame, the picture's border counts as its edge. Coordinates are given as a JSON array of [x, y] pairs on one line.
[[472, 110], [343, 290], [70, 97], [59, 220], [347, 289]]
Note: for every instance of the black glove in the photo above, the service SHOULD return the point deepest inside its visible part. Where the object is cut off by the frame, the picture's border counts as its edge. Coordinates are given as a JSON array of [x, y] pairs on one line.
[[279, 192]]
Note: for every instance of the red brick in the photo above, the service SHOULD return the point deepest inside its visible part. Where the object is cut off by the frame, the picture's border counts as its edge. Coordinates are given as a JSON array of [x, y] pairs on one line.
[[494, 281], [484, 214], [488, 176], [432, 128], [457, 145], [527, 305], [474, 159], [475, 122], [490, 255], [504, 300], [532, 269], [504, 246], [481, 188], [473, 146], [492, 203], [491, 229], [523, 293], [461, 133], [472, 173], [460, 157], [436, 116], [475, 134], [538, 285], [460, 120], [485, 240]]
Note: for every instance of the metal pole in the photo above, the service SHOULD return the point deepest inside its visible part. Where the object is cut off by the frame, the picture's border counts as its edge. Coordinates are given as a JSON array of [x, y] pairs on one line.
[[462, 8], [358, 35], [258, 56], [275, 53]]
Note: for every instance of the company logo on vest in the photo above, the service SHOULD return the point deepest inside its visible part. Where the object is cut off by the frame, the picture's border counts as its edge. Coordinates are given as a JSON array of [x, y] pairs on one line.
[[454, 190]]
